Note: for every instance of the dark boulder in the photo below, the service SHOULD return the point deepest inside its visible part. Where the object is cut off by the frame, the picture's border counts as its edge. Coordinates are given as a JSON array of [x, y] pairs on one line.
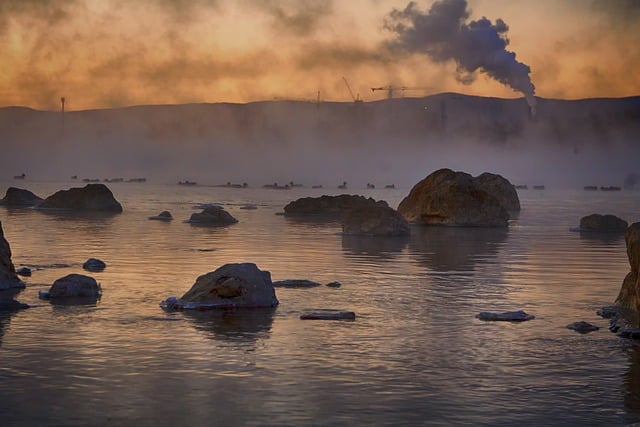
[[75, 286], [230, 286], [94, 265], [378, 220], [12, 305], [582, 327], [19, 197], [329, 207], [603, 224], [92, 197], [8, 276], [212, 216], [452, 198], [296, 283]]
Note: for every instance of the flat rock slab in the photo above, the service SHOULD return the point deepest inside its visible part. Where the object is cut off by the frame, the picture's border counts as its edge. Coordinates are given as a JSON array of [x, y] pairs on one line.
[[583, 327], [328, 314], [509, 316], [295, 283]]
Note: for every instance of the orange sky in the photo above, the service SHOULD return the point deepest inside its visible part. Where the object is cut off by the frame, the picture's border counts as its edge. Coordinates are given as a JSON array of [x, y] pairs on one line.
[[110, 53]]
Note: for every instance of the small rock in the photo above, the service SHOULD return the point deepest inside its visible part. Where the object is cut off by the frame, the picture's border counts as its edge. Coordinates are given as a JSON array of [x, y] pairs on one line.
[[509, 316], [75, 286], [162, 216], [334, 284], [94, 265], [608, 312], [295, 283], [24, 271], [633, 333], [328, 314], [582, 327]]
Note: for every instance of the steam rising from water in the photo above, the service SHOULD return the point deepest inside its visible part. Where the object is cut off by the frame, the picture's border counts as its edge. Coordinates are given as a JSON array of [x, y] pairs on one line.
[[443, 34]]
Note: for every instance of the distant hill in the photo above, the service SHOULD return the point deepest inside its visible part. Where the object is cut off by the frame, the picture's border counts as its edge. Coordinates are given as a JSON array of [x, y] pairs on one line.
[[396, 140]]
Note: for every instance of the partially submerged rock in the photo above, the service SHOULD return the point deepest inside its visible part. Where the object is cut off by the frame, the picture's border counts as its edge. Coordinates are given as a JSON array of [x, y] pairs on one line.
[[162, 216], [230, 286], [377, 220], [328, 314], [603, 224], [583, 327], [94, 265], [509, 316], [453, 198], [12, 305], [24, 272], [92, 197], [212, 215], [329, 207], [8, 277], [19, 197], [74, 286], [296, 283]]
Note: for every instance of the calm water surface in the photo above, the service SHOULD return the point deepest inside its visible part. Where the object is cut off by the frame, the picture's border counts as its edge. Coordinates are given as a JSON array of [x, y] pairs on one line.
[[415, 355]]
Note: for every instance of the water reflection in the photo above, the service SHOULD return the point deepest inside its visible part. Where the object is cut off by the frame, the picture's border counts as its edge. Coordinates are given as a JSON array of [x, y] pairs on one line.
[[5, 315], [381, 247], [455, 248], [596, 237], [631, 381], [248, 325]]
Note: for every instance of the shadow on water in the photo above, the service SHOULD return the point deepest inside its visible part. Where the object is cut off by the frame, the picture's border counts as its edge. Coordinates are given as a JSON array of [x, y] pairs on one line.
[[631, 383], [600, 238], [381, 247], [455, 248], [247, 325]]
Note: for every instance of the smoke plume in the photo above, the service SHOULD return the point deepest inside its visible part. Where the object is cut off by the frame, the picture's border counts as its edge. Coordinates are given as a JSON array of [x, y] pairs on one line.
[[443, 34]]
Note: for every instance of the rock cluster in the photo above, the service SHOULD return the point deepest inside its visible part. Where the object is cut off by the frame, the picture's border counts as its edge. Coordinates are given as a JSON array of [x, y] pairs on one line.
[[453, 198]]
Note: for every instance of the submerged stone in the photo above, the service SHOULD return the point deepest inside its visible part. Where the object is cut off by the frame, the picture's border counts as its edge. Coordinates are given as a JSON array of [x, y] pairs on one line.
[[296, 283], [509, 316], [94, 265], [328, 314], [583, 327], [162, 216]]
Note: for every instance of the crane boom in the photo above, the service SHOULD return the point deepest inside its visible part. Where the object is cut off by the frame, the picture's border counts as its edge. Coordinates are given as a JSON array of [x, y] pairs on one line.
[[349, 88]]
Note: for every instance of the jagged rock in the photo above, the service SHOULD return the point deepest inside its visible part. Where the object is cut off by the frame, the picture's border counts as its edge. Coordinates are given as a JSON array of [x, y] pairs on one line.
[[582, 327], [19, 197], [162, 216], [328, 314], [603, 224], [509, 316], [452, 198], [377, 220], [212, 216], [8, 276], [94, 265], [230, 286], [500, 188], [75, 286], [629, 295], [92, 197], [329, 207], [296, 283]]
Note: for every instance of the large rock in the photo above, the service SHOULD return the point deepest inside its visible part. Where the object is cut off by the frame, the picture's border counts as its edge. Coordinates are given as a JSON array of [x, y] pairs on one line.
[[332, 207], [603, 224], [230, 286], [455, 199], [213, 215], [377, 220], [92, 197], [500, 188], [629, 296], [19, 197], [8, 277], [75, 286]]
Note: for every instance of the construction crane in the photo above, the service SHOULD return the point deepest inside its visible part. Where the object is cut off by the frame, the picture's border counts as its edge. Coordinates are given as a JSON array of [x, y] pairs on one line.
[[356, 99], [392, 89]]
